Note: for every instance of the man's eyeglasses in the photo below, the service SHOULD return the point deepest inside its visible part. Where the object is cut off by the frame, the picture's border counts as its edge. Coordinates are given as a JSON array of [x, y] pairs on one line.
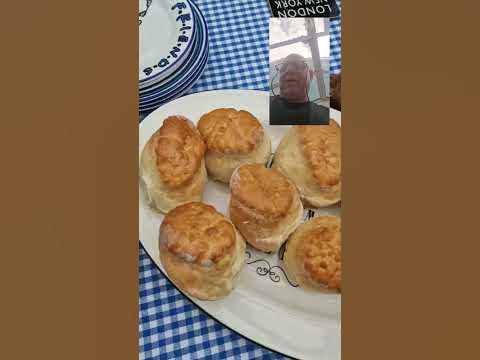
[[296, 66]]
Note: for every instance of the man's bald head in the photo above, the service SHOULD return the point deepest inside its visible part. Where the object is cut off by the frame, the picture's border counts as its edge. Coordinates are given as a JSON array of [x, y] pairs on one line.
[[294, 79], [294, 57]]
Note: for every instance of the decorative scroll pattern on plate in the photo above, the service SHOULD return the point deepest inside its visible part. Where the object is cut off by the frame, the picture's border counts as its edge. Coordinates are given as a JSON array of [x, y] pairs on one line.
[[264, 268]]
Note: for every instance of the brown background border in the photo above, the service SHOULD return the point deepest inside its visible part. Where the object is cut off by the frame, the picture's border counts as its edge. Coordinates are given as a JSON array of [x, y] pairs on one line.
[[410, 128], [69, 180]]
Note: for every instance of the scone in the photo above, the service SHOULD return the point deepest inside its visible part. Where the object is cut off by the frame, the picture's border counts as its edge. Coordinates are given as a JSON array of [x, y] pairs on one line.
[[264, 206], [172, 165], [233, 138], [312, 256], [310, 156], [201, 250]]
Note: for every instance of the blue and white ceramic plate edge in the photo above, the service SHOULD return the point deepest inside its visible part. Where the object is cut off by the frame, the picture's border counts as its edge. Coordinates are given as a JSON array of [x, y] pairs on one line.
[[195, 59], [182, 11], [189, 77], [180, 91], [153, 91], [173, 96], [186, 81]]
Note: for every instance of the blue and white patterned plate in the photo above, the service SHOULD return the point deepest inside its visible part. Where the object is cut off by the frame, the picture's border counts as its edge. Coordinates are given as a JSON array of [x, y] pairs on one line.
[[153, 88], [172, 81], [178, 91], [154, 95], [191, 65], [166, 30]]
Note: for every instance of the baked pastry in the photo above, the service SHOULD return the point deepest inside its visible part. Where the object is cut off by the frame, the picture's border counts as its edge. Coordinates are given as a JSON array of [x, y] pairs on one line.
[[309, 155], [201, 250], [233, 138], [172, 165], [264, 206], [312, 256]]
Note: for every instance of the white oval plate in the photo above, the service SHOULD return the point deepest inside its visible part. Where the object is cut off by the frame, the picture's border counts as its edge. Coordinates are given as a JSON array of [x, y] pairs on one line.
[[165, 37], [265, 307]]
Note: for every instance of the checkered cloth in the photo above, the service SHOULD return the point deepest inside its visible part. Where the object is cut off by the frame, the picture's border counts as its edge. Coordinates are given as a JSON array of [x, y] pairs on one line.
[[171, 327], [335, 43]]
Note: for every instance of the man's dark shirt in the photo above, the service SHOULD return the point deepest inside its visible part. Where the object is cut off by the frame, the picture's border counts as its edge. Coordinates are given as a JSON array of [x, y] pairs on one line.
[[307, 113]]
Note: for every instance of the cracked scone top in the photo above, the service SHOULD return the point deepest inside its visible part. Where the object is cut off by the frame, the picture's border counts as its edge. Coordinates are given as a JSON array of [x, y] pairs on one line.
[[229, 131], [322, 255], [233, 138], [262, 189], [201, 250], [313, 254], [172, 165], [264, 206], [310, 156], [321, 148], [197, 233], [180, 149]]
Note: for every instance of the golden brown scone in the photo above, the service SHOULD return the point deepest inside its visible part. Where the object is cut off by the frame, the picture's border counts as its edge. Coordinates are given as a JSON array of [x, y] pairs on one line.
[[233, 138], [172, 165], [310, 156], [201, 250], [264, 206], [313, 254]]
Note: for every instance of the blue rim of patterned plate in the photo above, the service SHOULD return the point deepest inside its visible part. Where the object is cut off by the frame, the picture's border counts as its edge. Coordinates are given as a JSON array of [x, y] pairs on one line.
[[180, 89], [182, 77], [177, 85], [158, 102], [188, 48], [172, 70], [155, 104], [178, 79], [188, 82], [188, 67], [168, 79]]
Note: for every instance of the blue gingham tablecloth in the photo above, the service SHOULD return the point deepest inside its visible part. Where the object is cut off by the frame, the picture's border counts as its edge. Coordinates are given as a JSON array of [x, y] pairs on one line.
[[171, 327]]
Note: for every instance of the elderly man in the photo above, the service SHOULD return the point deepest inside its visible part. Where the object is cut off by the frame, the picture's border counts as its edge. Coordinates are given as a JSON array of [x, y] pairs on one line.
[[292, 106]]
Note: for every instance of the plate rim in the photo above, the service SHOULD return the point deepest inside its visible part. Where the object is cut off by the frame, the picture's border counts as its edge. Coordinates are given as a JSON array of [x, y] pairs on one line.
[[186, 83], [200, 46], [154, 104], [167, 98], [203, 51], [151, 78]]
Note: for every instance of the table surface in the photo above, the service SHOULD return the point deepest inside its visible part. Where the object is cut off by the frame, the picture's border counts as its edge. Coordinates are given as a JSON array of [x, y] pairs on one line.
[[172, 327]]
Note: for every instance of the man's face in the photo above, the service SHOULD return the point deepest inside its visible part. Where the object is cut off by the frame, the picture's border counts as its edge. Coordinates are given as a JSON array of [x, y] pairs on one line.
[[294, 80]]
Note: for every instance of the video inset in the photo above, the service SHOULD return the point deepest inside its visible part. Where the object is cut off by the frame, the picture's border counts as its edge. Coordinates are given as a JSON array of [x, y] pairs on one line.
[[299, 71]]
